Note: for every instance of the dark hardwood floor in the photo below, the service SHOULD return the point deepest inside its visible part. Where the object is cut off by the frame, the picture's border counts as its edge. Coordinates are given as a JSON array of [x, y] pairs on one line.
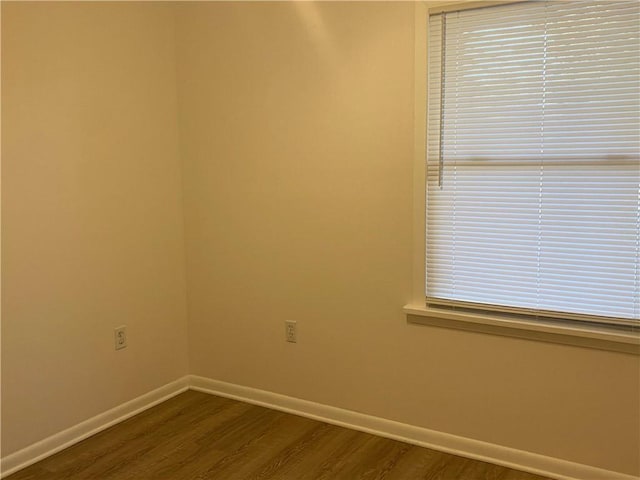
[[197, 436]]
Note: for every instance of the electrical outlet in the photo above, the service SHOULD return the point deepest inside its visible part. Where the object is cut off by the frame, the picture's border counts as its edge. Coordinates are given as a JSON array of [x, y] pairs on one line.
[[121, 337], [291, 331]]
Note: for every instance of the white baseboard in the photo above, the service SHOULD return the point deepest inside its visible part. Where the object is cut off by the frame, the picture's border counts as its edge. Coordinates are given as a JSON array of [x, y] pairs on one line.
[[444, 442], [53, 444]]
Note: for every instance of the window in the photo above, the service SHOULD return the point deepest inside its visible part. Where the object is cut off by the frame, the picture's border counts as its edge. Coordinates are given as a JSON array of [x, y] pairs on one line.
[[533, 161]]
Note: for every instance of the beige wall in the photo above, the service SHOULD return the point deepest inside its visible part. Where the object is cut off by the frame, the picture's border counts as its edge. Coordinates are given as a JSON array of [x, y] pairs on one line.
[[91, 212], [296, 123], [296, 128]]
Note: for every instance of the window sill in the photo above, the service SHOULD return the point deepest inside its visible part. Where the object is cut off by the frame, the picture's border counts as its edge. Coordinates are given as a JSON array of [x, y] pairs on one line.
[[595, 337]]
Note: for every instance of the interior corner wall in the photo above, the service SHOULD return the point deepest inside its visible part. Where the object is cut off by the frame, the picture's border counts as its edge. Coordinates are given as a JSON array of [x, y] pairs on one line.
[[296, 134], [92, 226], [296, 126]]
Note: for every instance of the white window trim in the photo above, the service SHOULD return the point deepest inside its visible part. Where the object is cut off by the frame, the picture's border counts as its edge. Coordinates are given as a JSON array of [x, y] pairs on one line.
[[602, 338]]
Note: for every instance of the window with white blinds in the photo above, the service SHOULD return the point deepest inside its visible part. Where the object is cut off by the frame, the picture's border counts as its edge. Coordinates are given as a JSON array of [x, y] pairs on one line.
[[533, 165]]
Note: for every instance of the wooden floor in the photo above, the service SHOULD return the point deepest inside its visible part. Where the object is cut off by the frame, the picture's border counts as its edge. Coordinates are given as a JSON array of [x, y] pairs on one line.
[[199, 436]]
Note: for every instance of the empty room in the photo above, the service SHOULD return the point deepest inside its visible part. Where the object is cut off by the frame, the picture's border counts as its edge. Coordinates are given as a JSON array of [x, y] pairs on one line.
[[305, 240]]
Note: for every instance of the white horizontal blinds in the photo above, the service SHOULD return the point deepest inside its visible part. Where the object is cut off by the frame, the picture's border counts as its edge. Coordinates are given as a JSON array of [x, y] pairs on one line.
[[533, 194]]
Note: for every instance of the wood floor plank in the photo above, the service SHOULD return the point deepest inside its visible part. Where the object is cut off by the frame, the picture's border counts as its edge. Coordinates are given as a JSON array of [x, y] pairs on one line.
[[197, 445], [335, 456], [488, 471], [137, 443], [243, 460], [103, 444], [425, 464], [196, 436], [517, 475], [384, 454], [290, 452]]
